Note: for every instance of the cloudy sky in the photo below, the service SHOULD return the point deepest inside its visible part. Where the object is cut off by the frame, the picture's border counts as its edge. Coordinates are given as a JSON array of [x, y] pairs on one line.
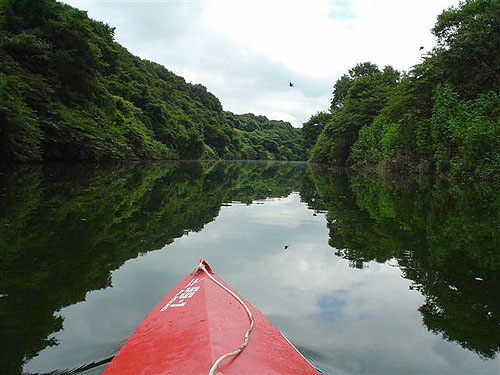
[[246, 51]]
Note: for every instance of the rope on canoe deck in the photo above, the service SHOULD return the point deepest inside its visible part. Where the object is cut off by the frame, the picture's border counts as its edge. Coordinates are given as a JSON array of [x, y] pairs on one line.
[[242, 347]]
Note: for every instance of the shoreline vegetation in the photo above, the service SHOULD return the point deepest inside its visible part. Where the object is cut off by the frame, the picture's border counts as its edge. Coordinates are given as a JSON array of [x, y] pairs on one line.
[[442, 118], [69, 92]]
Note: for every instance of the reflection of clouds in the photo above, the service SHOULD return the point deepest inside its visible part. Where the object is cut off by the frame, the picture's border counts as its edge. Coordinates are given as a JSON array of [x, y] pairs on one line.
[[343, 319], [281, 212]]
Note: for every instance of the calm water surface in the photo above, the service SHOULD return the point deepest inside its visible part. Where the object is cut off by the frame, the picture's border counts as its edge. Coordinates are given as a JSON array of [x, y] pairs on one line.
[[379, 277]]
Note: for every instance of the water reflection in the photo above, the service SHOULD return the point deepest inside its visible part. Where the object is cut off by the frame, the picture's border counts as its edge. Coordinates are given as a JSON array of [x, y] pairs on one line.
[[445, 240], [65, 227], [367, 261]]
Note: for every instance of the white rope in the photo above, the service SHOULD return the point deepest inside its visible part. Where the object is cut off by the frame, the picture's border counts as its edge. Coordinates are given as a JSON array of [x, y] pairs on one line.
[[216, 364]]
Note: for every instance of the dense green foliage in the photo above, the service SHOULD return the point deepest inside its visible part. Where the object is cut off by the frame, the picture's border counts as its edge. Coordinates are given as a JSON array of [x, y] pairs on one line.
[[68, 91], [358, 98], [313, 128], [259, 138], [442, 117]]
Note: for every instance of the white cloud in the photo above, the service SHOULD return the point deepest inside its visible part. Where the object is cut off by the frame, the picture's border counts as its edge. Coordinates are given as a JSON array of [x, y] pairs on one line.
[[246, 52]]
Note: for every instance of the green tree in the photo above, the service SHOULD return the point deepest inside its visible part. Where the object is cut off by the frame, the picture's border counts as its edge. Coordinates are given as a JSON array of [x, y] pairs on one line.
[[440, 118], [366, 96], [469, 46], [313, 127], [70, 92], [345, 82]]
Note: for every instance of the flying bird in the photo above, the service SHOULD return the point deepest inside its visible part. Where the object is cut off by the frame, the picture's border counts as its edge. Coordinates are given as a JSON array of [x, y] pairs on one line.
[[421, 48], [290, 84]]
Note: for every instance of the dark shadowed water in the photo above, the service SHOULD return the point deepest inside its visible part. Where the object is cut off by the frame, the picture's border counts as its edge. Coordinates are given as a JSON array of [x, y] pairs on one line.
[[379, 277]]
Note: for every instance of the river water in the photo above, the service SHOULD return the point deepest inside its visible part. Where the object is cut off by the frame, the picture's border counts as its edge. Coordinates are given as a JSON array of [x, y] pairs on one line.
[[363, 275]]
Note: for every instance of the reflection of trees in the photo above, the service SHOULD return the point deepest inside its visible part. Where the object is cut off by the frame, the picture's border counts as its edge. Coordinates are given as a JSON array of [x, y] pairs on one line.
[[65, 228], [353, 232], [443, 238]]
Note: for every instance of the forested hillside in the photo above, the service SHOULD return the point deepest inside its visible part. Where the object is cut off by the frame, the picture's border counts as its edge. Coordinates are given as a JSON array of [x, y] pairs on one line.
[[440, 118], [68, 91]]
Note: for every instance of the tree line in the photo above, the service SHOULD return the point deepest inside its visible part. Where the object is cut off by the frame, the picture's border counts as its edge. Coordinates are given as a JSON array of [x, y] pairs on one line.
[[440, 118], [68, 91]]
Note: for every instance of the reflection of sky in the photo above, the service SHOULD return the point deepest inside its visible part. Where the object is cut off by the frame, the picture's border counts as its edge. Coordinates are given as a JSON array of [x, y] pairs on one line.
[[341, 11], [331, 305], [345, 320]]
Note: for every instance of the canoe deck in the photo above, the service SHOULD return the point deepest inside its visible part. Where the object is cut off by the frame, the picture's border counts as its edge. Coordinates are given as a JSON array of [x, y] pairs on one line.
[[196, 323]]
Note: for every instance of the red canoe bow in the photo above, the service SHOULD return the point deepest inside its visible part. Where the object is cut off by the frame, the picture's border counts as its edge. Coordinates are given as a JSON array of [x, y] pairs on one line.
[[195, 324]]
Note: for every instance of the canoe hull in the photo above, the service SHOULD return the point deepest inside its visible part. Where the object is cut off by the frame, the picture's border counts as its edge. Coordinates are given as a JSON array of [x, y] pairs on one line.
[[197, 322]]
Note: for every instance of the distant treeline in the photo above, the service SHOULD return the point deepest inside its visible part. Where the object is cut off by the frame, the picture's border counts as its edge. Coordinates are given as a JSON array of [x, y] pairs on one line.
[[68, 91], [440, 118]]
